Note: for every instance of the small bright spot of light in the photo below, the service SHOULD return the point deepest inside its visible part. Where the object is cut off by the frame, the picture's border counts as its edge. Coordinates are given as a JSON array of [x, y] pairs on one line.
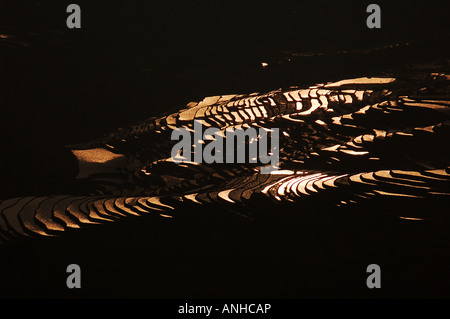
[[264, 64], [410, 218]]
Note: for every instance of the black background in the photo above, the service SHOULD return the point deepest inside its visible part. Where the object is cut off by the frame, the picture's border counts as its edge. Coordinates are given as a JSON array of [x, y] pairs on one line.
[[132, 60]]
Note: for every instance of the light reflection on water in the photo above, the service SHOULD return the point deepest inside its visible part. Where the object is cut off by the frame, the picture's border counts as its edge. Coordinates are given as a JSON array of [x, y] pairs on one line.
[[410, 218]]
